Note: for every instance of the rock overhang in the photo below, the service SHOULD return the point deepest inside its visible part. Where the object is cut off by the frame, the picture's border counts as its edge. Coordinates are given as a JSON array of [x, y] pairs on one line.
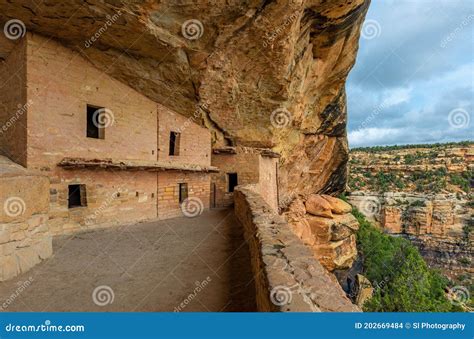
[[260, 74]]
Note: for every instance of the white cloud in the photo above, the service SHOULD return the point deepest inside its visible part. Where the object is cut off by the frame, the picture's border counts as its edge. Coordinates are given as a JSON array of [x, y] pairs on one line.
[[396, 96], [373, 136], [405, 84]]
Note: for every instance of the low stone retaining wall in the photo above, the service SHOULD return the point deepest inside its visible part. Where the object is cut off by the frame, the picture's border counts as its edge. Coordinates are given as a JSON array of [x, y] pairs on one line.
[[25, 239], [288, 278]]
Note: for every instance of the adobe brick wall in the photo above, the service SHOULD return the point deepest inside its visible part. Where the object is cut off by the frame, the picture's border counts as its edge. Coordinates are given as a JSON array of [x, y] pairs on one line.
[[25, 239], [168, 191], [195, 141], [288, 278], [251, 168], [13, 105], [246, 165], [268, 181], [111, 199], [61, 83]]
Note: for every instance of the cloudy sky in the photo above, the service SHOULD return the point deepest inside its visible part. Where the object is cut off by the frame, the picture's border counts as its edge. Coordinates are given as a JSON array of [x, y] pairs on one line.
[[413, 81]]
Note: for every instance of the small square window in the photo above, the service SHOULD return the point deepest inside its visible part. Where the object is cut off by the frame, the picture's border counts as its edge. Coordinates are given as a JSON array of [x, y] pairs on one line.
[[174, 143], [232, 181], [95, 122], [77, 196], [183, 192]]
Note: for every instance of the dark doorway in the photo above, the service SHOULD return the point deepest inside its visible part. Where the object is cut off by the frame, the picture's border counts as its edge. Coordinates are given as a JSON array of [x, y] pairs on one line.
[[77, 196], [232, 179]]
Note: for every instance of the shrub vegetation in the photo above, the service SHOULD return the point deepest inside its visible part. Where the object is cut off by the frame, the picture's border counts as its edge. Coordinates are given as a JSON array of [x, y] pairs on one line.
[[402, 281]]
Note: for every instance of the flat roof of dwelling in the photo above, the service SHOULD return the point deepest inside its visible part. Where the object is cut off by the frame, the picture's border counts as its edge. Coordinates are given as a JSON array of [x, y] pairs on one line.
[[133, 165], [264, 152]]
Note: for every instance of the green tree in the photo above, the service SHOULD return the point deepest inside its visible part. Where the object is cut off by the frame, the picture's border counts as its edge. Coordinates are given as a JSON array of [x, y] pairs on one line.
[[403, 282]]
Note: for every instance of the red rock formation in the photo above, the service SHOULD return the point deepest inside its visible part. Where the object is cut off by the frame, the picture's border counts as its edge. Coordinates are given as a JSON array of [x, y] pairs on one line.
[[331, 236]]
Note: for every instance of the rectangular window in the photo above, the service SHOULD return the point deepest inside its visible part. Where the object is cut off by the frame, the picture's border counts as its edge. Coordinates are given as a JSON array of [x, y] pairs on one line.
[[232, 180], [183, 192], [95, 122], [174, 143], [77, 196]]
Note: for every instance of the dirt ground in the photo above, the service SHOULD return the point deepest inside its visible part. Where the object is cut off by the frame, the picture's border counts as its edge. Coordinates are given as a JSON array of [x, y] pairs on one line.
[[182, 264]]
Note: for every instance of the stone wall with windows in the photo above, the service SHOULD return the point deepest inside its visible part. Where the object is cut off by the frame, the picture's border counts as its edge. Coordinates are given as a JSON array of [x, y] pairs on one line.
[[61, 83], [246, 165], [65, 91], [198, 192], [250, 166], [112, 198], [193, 141]]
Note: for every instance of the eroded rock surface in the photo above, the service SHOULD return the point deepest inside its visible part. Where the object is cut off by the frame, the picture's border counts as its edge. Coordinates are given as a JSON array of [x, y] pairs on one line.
[[327, 227], [243, 61]]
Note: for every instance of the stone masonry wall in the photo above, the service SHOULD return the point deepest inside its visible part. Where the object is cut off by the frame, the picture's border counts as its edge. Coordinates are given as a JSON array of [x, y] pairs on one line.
[[60, 85], [268, 181], [287, 276], [168, 193], [25, 239], [113, 198], [13, 105], [247, 167], [194, 144]]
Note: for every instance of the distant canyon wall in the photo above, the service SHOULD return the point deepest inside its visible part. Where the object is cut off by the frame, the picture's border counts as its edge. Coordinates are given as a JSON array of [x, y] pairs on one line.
[[438, 224]]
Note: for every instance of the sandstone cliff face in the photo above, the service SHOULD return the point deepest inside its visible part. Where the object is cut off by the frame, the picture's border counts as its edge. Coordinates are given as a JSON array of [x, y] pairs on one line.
[[257, 73], [440, 225], [325, 224]]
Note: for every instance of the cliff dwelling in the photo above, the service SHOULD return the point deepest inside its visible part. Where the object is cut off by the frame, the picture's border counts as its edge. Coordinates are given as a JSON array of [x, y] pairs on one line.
[[96, 154], [189, 156], [132, 150]]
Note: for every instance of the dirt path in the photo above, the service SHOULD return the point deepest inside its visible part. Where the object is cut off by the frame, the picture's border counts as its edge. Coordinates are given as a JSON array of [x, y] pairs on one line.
[[185, 264]]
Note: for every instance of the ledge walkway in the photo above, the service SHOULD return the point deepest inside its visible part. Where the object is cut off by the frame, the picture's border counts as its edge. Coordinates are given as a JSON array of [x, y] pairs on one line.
[[182, 264]]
